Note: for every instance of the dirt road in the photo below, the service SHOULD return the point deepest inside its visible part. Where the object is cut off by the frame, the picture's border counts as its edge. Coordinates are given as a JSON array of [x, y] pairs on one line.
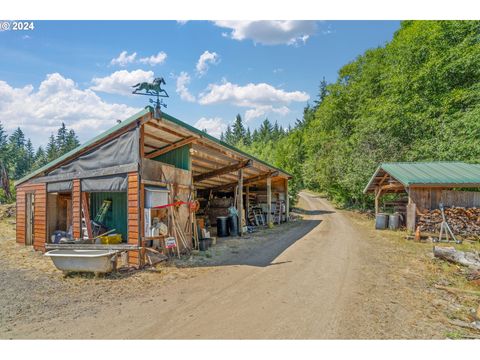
[[327, 277]]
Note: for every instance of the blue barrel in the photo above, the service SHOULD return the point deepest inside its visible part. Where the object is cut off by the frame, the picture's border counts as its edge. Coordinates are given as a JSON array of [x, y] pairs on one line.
[[394, 221], [381, 221], [222, 226]]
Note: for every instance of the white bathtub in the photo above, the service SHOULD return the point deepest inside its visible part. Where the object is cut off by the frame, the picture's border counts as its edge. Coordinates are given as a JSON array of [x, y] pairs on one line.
[[98, 261]]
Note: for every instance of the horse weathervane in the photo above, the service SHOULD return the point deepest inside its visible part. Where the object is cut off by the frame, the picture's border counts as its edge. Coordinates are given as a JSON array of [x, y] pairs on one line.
[[153, 89]]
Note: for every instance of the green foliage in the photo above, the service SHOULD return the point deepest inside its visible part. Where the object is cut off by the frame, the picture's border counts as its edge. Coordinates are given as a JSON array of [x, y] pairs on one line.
[[18, 156], [417, 98]]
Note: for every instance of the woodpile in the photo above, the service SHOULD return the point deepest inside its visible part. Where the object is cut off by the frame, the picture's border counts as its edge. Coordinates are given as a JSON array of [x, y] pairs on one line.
[[218, 207], [463, 221]]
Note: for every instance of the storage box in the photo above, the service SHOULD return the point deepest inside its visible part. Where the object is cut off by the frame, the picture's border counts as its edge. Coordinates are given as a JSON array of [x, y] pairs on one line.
[[111, 239]]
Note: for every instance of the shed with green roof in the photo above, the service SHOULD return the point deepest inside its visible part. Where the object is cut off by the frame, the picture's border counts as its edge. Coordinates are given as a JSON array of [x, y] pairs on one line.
[[426, 185]]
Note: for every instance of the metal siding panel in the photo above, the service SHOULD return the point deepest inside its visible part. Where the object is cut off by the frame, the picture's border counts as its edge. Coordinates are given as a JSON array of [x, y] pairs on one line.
[[180, 158], [117, 214]]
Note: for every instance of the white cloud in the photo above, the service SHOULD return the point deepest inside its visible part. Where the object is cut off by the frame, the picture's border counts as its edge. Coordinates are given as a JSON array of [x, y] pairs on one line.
[[214, 126], [270, 32], [259, 98], [203, 61], [40, 112], [182, 87], [250, 95], [121, 82], [123, 59], [154, 59], [262, 110]]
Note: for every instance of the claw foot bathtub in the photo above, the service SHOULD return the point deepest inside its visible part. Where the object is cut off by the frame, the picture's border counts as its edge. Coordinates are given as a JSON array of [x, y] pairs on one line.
[[97, 261]]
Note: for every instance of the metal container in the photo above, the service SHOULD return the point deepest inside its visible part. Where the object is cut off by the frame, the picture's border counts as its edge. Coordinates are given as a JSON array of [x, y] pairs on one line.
[[233, 225], [98, 261], [222, 226], [381, 221], [394, 221]]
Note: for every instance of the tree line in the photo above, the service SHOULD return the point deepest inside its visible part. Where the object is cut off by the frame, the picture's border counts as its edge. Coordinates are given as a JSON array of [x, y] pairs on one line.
[[18, 156], [417, 98]]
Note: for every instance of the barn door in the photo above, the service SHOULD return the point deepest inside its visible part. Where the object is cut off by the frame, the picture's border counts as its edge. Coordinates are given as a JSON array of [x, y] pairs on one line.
[[30, 210]]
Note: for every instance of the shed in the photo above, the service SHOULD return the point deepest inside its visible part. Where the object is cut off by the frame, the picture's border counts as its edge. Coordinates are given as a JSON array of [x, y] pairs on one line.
[[426, 185], [124, 164]]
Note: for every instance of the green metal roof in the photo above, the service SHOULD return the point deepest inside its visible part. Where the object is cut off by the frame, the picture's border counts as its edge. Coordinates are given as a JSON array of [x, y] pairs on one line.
[[451, 173], [126, 122]]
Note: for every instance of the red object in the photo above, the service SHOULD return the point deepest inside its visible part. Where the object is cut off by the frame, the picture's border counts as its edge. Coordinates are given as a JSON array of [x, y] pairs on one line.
[[193, 205]]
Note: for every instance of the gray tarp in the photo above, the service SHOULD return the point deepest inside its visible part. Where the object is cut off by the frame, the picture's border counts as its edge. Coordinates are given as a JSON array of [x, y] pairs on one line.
[[61, 186], [122, 150], [105, 183]]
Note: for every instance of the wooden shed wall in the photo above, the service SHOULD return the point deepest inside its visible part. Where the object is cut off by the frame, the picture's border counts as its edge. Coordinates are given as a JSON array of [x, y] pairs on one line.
[[40, 214], [430, 198], [133, 216]]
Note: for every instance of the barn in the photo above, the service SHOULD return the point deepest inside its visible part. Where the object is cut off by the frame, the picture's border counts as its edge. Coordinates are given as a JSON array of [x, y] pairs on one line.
[[124, 176], [423, 186]]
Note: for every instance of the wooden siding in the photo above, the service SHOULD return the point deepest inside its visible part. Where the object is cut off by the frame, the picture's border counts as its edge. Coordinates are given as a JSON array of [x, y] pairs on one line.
[[40, 214], [133, 216], [76, 208], [428, 199]]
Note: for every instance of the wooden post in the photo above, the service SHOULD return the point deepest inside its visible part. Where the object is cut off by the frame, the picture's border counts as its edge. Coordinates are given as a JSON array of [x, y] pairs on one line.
[[287, 202], [377, 198], [240, 201], [247, 200], [269, 201]]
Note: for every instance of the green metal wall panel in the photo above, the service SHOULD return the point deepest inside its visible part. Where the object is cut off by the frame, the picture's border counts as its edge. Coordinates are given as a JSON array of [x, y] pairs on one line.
[[117, 214], [180, 158]]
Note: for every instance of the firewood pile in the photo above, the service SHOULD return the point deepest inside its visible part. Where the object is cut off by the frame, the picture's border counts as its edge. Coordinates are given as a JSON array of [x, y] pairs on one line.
[[463, 221]]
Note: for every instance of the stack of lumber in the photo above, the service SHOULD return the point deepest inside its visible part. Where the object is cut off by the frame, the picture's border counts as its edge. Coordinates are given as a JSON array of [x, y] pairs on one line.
[[462, 221], [218, 207]]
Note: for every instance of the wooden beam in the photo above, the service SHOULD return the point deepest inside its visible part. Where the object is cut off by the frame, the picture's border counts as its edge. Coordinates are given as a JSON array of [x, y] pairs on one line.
[[247, 181], [165, 129], [158, 138], [170, 147], [222, 171]]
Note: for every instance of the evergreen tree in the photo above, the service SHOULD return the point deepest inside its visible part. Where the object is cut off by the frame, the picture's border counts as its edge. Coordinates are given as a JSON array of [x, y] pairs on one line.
[[248, 138], [51, 151], [229, 135], [265, 131], [40, 158], [71, 142], [61, 138], [322, 93], [17, 154], [29, 156], [238, 130]]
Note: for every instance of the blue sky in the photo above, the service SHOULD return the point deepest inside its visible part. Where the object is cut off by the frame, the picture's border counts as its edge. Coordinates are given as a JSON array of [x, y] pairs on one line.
[[75, 72]]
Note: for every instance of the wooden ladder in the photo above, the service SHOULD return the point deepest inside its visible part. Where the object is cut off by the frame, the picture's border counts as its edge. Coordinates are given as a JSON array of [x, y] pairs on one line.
[[277, 216]]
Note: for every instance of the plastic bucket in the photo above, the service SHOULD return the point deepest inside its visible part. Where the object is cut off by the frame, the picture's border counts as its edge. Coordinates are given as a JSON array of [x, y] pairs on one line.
[[381, 221]]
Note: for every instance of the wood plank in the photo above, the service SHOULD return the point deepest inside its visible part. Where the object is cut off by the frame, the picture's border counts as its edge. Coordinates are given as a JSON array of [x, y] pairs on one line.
[[170, 147], [158, 138], [222, 171], [164, 128]]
